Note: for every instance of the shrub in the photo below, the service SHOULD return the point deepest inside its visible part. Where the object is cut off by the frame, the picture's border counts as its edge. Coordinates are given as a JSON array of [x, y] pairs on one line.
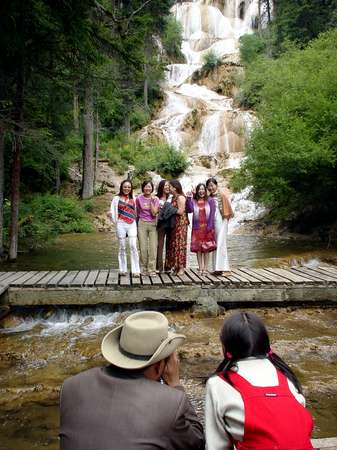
[[251, 45], [142, 157], [292, 156], [44, 217], [172, 39], [210, 62]]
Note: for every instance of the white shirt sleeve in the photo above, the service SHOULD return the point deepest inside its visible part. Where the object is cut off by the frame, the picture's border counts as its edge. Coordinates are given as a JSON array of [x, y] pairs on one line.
[[114, 209], [224, 414]]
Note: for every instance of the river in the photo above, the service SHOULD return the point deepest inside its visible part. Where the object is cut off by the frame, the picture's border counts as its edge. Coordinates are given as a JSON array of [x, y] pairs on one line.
[[99, 251], [38, 353]]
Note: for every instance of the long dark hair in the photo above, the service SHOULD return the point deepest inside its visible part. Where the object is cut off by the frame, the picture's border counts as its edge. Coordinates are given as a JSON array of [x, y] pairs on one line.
[[196, 195], [160, 189], [176, 184], [243, 335], [121, 188]]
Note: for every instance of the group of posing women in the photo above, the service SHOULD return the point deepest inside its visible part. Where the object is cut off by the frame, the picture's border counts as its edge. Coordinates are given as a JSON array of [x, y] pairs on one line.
[[160, 221]]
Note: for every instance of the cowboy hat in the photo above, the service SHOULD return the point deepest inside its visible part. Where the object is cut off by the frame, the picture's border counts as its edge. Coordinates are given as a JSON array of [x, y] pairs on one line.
[[143, 339]]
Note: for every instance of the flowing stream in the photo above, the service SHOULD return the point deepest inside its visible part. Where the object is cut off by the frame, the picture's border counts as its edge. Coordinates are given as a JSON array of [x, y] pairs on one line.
[[37, 352]]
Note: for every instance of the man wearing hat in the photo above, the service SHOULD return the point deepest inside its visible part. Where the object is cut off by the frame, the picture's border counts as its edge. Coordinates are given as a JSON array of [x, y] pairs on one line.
[[137, 401]]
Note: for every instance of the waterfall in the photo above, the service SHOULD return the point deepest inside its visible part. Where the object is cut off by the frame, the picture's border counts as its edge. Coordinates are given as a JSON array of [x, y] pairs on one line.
[[221, 130]]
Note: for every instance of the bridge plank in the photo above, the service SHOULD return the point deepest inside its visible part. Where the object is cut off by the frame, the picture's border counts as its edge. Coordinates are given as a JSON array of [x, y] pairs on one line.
[[256, 275], [13, 277], [5, 275], [203, 278], [68, 278], [101, 278], [233, 278], [112, 278], [135, 281], [53, 282], [124, 280], [166, 280], [329, 269], [305, 271], [326, 273], [19, 281], [33, 280], [239, 273], [80, 278], [226, 281], [91, 278], [176, 280], [297, 279], [276, 278], [44, 280], [237, 277], [185, 279], [3, 289], [146, 280], [213, 278], [194, 278], [156, 280]]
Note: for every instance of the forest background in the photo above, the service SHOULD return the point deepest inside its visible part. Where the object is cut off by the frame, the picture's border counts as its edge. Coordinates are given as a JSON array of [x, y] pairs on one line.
[[80, 77]]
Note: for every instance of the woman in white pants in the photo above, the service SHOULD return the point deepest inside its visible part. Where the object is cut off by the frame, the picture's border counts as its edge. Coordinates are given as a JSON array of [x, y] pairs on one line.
[[123, 214], [223, 214]]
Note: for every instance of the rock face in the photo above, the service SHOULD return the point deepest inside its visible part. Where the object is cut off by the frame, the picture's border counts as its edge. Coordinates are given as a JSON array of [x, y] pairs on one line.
[[107, 180]]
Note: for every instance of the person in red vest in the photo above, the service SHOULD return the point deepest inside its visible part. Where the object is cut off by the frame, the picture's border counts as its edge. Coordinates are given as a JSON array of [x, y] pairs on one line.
[[254, 401]]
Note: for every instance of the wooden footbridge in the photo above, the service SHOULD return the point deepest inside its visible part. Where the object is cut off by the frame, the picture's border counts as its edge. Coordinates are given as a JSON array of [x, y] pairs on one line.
[[270, 285]]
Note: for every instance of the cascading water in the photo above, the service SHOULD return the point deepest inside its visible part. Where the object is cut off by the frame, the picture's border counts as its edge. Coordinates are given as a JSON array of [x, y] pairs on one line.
[[221, 131]]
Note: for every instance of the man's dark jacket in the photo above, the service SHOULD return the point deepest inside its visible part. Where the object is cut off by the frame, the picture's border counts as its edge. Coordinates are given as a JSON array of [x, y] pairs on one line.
[[108, 409]]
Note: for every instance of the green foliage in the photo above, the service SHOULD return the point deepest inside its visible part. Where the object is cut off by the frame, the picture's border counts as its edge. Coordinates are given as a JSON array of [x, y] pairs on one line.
[[172, 39], [251, 45], [255, 78], [300, 21], [210, 62], [143, 157], [44, 217], [292, 155]]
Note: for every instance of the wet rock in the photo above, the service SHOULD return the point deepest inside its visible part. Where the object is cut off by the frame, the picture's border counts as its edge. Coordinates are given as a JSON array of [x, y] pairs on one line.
[[10, 321], [207, 307]]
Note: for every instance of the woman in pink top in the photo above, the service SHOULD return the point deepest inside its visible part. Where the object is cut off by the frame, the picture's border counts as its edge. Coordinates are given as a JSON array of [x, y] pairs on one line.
[[147, 210]]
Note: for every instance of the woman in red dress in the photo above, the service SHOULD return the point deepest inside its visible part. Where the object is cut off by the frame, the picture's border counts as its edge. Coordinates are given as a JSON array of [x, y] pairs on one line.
[[176, 255], [203, 229]]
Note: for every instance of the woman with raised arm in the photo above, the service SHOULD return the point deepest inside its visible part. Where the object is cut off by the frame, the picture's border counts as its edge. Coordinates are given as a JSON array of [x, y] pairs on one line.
[[223, 214], [254, 400], [123, 214], [176, 256], [203, 232]]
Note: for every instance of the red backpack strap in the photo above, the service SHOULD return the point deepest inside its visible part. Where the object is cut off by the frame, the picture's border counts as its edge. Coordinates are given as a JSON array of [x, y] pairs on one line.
[[237, 381]]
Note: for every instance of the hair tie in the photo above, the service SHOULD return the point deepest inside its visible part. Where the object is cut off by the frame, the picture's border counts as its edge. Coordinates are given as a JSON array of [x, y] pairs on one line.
[[229, 355], [270, 353]]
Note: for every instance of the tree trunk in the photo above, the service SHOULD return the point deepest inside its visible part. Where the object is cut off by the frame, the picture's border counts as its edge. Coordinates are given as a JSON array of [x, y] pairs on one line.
[[88, 147], [127, 125], [57, 176], [268, 11], [146, 89], [76, 110], [96, 146], [16, 168], [2, 184], [259, 17]]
